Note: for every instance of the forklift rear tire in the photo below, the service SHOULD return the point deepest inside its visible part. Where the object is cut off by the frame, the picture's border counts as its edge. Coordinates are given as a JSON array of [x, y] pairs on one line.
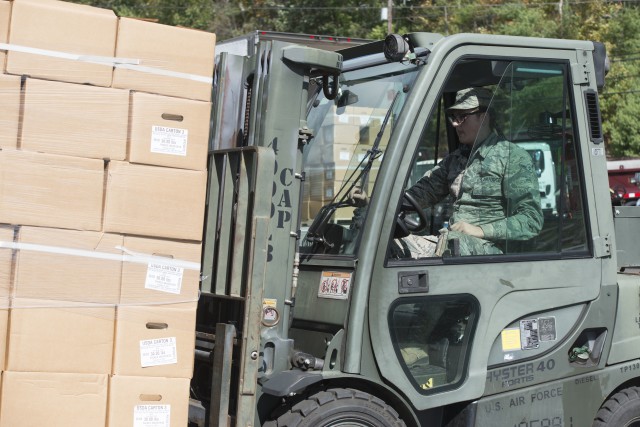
[[620, 410], [339, 407]]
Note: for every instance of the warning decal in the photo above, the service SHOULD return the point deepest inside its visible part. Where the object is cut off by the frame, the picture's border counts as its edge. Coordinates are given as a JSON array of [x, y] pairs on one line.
[[529, 334], [334, 284], [547, 328]]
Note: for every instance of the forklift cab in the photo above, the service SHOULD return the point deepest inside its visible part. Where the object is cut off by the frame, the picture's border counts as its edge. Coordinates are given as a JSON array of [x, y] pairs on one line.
[[427, 330]]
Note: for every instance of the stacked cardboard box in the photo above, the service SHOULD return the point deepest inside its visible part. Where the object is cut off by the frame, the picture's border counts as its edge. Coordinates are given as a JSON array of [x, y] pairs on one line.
[[103, 143], [5, 16], [9, 108]]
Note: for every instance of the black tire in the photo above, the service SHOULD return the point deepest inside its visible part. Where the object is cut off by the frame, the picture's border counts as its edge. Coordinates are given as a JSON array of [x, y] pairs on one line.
[[339, 407], [620, 410]]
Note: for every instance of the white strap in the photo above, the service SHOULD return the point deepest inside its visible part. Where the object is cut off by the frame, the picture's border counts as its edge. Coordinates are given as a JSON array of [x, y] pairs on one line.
[[168, 73], [94, 59], [126, 256], [127, 63]]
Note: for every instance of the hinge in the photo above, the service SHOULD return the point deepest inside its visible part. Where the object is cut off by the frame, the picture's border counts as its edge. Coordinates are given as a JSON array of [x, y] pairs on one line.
[[304, 136], [602, 246], [580, 68]]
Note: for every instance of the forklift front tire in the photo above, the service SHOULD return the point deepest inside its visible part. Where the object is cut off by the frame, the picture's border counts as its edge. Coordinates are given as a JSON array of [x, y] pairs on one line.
[[339, 407], [620, 410]]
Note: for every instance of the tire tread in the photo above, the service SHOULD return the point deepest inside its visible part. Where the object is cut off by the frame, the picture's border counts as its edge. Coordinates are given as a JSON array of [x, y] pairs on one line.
[[615, 405], [296, 415]]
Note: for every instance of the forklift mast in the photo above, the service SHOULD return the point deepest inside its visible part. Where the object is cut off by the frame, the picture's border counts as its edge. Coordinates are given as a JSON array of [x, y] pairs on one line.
[[252, 222]]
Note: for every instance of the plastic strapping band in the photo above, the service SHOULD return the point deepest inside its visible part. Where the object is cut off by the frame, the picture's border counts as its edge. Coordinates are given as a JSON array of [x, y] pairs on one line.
[[94, 59], [126, 63], [168, 73], [127, 256], [146, 258]]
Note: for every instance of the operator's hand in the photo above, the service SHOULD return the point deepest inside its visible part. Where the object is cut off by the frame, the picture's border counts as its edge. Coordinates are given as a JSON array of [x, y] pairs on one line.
[[358, 197], [466, 228]]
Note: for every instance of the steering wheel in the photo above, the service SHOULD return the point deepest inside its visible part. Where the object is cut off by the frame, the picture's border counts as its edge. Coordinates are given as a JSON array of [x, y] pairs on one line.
[[406, 225]]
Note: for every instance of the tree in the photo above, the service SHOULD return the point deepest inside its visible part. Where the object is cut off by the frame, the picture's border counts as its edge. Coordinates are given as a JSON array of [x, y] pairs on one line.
[[615, 23], [223, 17], [621, 97]]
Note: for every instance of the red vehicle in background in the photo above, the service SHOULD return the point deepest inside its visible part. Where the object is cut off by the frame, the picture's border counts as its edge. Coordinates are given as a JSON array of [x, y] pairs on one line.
[[624, 181]]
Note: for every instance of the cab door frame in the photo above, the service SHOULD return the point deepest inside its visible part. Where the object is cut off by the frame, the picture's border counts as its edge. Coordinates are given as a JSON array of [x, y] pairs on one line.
[[508, 289]]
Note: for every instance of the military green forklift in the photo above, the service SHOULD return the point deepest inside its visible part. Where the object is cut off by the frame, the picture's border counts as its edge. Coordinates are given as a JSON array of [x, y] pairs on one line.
[[308, 316]]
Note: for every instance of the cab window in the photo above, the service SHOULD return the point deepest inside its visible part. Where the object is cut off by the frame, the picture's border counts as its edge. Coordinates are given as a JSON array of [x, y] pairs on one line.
[[496, 171], [350, 137], [432, 336]]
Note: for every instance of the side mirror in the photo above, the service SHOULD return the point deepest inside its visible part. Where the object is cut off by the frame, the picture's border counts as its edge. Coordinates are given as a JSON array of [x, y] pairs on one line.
[[346, 98]]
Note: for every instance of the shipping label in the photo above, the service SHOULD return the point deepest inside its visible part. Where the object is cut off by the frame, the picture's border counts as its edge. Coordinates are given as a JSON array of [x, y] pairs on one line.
[[164, 277], [158, 351], [152, 416], [166, 140]]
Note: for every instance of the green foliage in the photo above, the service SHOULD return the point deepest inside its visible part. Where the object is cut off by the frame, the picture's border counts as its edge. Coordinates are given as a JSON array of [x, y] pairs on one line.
[[515, 21], [329, 17], [620, 100], [617, 24]]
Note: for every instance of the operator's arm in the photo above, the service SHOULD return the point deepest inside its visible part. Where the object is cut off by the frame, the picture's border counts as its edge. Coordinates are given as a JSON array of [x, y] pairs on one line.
[[434, 185], [522, 198]]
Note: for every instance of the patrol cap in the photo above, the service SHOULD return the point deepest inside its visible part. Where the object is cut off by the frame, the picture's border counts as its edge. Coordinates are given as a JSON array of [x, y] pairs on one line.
[[472, 97]]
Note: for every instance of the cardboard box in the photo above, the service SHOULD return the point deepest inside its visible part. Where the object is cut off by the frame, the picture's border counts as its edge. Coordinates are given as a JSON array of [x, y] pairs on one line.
[[345, 134], [64, 28], [6, 264], [9, 108], [4, 332], [68, 265], [173, 61], [155, 201], [75, 120], [148, 401], [170, 132], [54, 399], [326, 180], [5, 18], [161, 271], [155, 340], [60, 336], [369, 133], [320, 182], [346, 156], [49, 190], [310, 209], [305, 215], [363, 116]]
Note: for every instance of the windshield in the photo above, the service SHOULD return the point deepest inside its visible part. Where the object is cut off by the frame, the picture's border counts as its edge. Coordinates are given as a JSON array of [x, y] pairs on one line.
[[342, 160]]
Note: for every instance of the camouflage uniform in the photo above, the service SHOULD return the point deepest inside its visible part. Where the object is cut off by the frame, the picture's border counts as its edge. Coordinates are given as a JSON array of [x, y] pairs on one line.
[[495, 189]]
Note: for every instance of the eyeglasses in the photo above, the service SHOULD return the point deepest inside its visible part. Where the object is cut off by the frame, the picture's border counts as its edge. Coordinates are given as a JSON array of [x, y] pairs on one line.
[[458, 119]]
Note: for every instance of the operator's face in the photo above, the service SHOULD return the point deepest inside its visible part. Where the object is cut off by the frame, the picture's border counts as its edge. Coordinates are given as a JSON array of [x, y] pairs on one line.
[[470, 125]]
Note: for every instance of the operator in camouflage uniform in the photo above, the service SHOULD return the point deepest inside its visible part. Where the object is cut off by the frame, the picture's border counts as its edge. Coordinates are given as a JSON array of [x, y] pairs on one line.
[[492, 181]]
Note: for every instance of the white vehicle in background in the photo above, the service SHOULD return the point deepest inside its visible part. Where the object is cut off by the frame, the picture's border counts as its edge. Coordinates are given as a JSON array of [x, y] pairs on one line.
[[545, 170]]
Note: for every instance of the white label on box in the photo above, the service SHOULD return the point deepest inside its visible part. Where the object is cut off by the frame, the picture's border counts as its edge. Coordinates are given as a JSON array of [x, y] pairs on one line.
[[166, 140], [345, 155], [152, 416], [164, 277], [158, 351]]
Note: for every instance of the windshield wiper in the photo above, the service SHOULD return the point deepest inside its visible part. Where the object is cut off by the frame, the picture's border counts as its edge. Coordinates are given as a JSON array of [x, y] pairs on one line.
[[316, 232]]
